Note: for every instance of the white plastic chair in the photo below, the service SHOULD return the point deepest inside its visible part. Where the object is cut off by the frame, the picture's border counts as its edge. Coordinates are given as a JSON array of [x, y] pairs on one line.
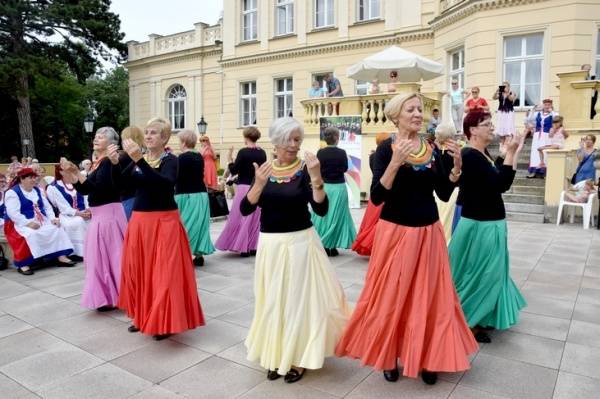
[[585, 206]]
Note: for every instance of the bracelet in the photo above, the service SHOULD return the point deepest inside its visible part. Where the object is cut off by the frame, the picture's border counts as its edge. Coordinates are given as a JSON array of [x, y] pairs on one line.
[[318, 186], [455, 174]]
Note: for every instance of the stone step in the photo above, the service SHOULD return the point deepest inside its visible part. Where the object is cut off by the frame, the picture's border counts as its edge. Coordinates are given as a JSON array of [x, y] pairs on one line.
[[521, 180], [523, 199], [524, 208], [531, 190], [525, 217]]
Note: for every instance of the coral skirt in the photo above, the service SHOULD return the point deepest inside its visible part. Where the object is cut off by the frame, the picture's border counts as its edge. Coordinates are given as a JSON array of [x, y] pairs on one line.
[[408, 308], [158, 285], [364, 240]]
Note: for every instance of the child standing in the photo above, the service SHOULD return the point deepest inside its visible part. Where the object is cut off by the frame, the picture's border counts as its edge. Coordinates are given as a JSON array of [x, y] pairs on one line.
[[556, 136]]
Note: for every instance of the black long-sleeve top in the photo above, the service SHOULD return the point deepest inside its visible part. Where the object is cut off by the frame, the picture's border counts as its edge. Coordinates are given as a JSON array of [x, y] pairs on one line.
[[127, 191], [334, 163], [243, 164], [410, 200], [284, 206], [99, 185], [155, 188], [190, 178], [482, 184]]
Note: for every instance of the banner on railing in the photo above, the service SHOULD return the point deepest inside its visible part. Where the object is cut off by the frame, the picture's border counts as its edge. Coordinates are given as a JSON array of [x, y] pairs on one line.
[[351, 142]]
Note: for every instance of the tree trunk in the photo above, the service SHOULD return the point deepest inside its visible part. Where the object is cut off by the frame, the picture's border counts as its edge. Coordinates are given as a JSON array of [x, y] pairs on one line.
[[24, 115]]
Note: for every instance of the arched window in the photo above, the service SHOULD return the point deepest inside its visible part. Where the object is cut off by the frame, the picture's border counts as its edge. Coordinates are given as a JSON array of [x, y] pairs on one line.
[[177, 97]]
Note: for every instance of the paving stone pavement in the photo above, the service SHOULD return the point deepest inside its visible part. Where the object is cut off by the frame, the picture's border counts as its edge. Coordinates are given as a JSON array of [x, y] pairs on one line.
[[50, 347]]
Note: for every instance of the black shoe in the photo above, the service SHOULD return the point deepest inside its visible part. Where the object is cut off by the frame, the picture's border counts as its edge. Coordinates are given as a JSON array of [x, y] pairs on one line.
[[253, 252], [293, 375], [106, 308], [244, 254], [27, 272], [199, 260], [272, 375], [75, 258], [391, 375], [334, 252], [429, 377], [160, 337], [328, 251], [70, 263], [483, 337], [489, 328], [132, 329]]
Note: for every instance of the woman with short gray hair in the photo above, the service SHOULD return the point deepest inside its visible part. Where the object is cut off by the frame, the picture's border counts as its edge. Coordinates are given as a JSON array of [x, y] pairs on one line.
[[336, 228], [104, 237], [300, 308]]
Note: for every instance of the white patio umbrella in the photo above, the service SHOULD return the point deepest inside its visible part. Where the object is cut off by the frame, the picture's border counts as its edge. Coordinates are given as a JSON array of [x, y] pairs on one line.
[[411, 67]]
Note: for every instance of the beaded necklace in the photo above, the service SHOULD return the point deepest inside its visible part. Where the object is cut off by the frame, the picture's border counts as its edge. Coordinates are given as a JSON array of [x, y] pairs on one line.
[[421, 159], [286, 174], [154, 163]]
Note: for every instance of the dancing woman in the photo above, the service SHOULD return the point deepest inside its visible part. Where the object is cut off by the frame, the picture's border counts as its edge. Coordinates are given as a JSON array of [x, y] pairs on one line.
[[104, 238], [300, 309], [479, 250], [408, 308], [158, 285], [241, 232]]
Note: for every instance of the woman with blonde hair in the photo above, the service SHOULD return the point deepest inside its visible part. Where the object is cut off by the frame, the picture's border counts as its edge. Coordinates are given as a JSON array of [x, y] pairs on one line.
[[300, 309], [210, 167], [127, 191], [158, 285], [408, 308], [191, 197], [366, 233]]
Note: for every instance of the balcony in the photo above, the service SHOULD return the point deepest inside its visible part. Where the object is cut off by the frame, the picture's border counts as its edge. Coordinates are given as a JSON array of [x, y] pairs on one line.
[[369, 107]]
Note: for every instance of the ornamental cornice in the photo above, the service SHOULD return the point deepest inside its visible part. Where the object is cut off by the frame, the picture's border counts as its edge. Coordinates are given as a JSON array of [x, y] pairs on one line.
[[180, 56], [324, 49], [469, 7]]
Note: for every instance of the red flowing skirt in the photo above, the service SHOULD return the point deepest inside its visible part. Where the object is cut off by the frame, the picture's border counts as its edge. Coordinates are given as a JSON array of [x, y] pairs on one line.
[[364, 240], [158, 284], [408, 308]]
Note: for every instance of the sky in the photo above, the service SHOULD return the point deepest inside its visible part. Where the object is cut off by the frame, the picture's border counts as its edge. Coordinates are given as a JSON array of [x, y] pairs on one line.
[[163, 17]]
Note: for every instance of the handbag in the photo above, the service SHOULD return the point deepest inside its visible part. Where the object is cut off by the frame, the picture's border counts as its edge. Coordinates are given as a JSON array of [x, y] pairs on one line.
[[218, 203], [580, 165]]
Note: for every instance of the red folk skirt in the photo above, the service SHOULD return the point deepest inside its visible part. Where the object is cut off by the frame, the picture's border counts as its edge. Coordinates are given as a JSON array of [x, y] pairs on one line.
[[364, 240], [408, 308], [158, 284]]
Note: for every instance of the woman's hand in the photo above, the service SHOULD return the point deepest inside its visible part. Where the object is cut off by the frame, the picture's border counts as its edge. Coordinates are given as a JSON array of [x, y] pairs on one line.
[[313, 165], [516, 143], [33, 225], [69, 170], [401, 151], [113, 154], [132, 149], [56, 222], [454, 150], [262, 173]]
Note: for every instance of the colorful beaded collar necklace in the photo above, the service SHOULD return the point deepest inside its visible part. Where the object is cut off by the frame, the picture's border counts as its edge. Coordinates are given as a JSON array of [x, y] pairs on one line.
[[286, 174], [422, 158]]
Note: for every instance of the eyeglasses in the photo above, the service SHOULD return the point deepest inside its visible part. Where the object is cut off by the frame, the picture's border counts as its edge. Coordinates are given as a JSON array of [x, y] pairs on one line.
[[486, 124], [475, 92]]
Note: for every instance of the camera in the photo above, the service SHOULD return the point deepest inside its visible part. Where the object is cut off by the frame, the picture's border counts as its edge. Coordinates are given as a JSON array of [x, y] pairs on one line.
[[501, 88]]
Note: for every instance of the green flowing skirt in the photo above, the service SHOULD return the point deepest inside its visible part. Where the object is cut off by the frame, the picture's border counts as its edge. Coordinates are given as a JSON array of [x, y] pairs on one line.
[[195, 215], [480, 270], [336, 228]]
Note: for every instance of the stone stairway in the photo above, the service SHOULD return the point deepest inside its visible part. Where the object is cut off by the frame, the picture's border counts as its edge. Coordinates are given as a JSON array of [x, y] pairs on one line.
[[524, 201]]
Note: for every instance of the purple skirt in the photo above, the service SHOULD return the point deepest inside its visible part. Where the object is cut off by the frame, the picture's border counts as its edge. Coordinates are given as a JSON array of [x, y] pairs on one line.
[[241, 232], [102, 256]]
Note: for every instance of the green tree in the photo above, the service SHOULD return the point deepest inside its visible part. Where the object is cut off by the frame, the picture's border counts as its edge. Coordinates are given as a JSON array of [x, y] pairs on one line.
[[109, 95], [34, 34]]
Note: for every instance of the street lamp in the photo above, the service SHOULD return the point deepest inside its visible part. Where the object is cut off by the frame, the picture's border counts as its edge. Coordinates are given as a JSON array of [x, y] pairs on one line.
[[88, 124], [202, 126]]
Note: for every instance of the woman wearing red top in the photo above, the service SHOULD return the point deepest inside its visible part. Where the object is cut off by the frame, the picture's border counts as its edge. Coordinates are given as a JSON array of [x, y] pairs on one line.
[[474, 102], [210, 168]]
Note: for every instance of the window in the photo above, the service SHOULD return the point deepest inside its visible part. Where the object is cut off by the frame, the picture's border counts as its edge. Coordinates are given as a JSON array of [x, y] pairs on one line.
[[248, 103], [177, 97], [457, 66], [284, 16], [249, 20], [368, 9], [320, 77], [362, 87], [598, 57], [283, 97], [323, 13], [523, 56]]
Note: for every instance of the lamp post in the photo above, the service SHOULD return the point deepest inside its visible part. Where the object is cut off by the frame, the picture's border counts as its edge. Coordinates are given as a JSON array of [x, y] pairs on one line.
[[202, 126], [88, 126]]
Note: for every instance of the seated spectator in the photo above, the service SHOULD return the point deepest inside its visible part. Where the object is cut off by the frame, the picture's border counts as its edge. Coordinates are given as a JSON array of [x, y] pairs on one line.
[[434, 121], [556, 137], [374, 87], [474, 102], [391, 87], [31, 227], [316, 90], [586, 155], [581, 191], [73, 210]]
